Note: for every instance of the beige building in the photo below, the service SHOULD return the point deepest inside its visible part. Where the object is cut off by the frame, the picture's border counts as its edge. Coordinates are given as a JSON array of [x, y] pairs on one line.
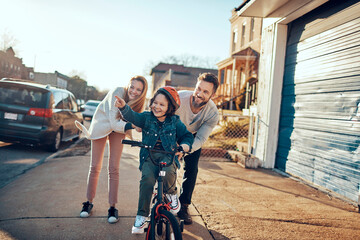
[[54, 79], [178, 76], [238, 74]]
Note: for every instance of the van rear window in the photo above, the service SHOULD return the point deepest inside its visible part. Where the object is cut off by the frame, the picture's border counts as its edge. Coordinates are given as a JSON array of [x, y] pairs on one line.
[[17, 95]]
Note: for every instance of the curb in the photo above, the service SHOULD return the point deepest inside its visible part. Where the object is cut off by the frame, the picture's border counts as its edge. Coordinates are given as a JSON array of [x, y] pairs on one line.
[[80, 147]]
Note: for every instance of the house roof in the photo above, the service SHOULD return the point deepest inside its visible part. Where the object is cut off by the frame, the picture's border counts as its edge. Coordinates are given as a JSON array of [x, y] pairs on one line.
[[287, 9], [163, 67], [179, 69], [244, 54], [10, 50], [62, 76]]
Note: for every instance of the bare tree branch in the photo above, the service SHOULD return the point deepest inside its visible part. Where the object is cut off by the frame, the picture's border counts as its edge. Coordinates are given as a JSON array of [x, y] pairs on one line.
[[8, 40]]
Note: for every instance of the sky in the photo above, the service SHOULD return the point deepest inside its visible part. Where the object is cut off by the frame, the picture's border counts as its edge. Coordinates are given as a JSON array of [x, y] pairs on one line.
[[109, 41]]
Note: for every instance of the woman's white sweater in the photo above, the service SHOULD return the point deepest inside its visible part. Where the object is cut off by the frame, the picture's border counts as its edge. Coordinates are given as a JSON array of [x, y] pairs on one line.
[[105, 118]]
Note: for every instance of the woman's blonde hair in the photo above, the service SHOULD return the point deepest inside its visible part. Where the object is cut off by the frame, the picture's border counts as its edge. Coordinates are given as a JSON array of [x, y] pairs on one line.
[[137, 104]]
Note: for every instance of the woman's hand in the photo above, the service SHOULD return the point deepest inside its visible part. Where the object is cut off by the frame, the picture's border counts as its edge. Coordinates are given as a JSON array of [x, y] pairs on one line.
[[136, 128], [119, 102]]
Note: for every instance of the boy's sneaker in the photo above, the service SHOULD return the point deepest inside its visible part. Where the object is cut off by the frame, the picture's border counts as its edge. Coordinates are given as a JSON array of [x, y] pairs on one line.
[[140, 224], [174, 203], [113, 216], [86, 210]]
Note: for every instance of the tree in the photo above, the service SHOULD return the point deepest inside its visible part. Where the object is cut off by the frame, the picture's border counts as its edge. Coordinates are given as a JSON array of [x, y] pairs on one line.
[[77, 74], [191, 61], [186, 60], [8, 40]]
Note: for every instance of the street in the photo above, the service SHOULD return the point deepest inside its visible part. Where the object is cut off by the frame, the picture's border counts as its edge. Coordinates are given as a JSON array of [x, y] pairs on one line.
[[16, 159]]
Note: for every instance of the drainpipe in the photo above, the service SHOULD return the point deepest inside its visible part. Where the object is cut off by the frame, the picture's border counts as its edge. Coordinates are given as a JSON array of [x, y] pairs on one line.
[[232, 84], [170, 75], [247, 96]]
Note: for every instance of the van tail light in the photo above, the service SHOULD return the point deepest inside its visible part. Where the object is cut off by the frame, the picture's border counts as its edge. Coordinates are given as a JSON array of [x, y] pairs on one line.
[[40, 112]]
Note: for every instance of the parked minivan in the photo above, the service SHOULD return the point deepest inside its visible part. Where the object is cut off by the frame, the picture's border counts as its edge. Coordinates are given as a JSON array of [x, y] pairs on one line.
[[37, 114]]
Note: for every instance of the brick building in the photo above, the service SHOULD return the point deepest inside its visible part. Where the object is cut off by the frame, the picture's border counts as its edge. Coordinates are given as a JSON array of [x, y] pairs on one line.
[[13, 67]]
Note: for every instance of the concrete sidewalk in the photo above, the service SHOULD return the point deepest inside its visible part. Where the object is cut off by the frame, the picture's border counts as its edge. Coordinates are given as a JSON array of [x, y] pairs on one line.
[[229, 202], [45, 203]]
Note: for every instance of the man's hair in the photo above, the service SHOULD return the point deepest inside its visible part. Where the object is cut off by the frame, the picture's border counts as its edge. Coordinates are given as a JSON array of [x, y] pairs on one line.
[[211, 78], [171, 108]]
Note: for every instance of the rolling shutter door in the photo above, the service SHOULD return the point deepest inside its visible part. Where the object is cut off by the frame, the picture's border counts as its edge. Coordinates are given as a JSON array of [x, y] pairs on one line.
[[319, 132]]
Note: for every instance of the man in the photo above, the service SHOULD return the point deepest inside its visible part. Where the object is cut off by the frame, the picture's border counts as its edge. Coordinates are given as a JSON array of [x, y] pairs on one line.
[[200, 115]]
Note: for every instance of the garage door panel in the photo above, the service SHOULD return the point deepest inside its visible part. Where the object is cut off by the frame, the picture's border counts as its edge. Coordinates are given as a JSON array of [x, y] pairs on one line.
[[328, 16], [343, 37], [335, 106], [341, 64], [332, 146], [319, 130], [330, 86]]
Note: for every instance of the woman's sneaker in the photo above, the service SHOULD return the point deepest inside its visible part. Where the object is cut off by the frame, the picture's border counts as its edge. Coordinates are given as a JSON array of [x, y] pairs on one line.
[[113, 216], [140, 224], [86, 210], [174, 203]]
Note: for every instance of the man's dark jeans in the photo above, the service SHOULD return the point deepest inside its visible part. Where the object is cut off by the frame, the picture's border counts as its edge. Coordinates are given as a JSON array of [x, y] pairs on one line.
[[189, 178]]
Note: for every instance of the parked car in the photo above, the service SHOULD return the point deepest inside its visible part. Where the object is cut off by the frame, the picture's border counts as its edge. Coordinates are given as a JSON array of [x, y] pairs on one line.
[[90, 107], [37, 114]]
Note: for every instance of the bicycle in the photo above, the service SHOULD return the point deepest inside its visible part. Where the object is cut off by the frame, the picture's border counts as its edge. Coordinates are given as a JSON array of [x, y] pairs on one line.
[[163, 224]]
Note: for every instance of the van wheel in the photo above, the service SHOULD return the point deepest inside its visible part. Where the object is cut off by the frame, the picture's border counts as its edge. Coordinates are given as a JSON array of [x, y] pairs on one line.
[[55, 145]]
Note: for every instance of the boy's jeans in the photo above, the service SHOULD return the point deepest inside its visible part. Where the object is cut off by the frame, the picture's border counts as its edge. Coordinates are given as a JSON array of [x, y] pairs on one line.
[[150, 173]]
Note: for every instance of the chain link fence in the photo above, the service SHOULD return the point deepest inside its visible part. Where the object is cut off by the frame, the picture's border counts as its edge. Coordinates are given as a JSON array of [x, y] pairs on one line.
[[231, 134]]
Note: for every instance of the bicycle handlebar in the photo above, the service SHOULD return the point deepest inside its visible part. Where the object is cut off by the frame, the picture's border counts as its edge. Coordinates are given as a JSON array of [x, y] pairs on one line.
[[142, 145], [134, 143]]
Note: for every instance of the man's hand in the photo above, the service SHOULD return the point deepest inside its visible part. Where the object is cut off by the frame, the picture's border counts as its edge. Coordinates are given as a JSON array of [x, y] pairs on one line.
[[182, 149], [180, 155], [119, 102]]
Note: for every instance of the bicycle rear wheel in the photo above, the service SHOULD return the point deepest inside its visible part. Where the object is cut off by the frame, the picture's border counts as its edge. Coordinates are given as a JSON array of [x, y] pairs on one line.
[[166, 227]]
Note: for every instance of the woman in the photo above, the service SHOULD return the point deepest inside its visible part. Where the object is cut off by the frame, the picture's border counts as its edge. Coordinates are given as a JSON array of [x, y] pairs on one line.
[[107, 124]]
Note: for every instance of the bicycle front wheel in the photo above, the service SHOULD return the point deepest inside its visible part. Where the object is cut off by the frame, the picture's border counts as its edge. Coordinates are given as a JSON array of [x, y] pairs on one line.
[[165, 227]]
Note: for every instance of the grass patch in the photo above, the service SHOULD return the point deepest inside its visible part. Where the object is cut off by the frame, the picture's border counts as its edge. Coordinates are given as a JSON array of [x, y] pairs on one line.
[[226, 136]]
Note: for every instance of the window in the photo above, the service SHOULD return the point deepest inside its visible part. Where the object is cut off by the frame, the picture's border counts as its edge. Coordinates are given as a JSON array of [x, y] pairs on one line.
[[58, 100], [252, 29], [67, 101], [73, 103], [222, 76], [243, 34], [234, 40], [18, 95], [242, 77]]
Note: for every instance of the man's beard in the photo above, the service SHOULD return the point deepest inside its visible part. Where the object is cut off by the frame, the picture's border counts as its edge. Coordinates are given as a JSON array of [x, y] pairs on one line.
[[197, 105]]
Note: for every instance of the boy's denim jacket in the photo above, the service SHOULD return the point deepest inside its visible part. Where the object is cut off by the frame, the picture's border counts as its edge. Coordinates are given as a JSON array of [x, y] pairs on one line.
[[172, 131]]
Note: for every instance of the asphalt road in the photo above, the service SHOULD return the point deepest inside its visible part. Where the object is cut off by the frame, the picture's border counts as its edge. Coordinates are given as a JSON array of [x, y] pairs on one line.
[[16, 159]]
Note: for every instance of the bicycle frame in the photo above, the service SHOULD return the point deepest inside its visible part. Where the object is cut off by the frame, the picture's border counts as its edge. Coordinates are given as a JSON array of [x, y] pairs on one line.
[[160, 204], [160, 189]]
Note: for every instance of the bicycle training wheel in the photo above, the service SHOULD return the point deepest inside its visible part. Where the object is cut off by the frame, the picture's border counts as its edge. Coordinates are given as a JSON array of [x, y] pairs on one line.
[[166, 227]]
